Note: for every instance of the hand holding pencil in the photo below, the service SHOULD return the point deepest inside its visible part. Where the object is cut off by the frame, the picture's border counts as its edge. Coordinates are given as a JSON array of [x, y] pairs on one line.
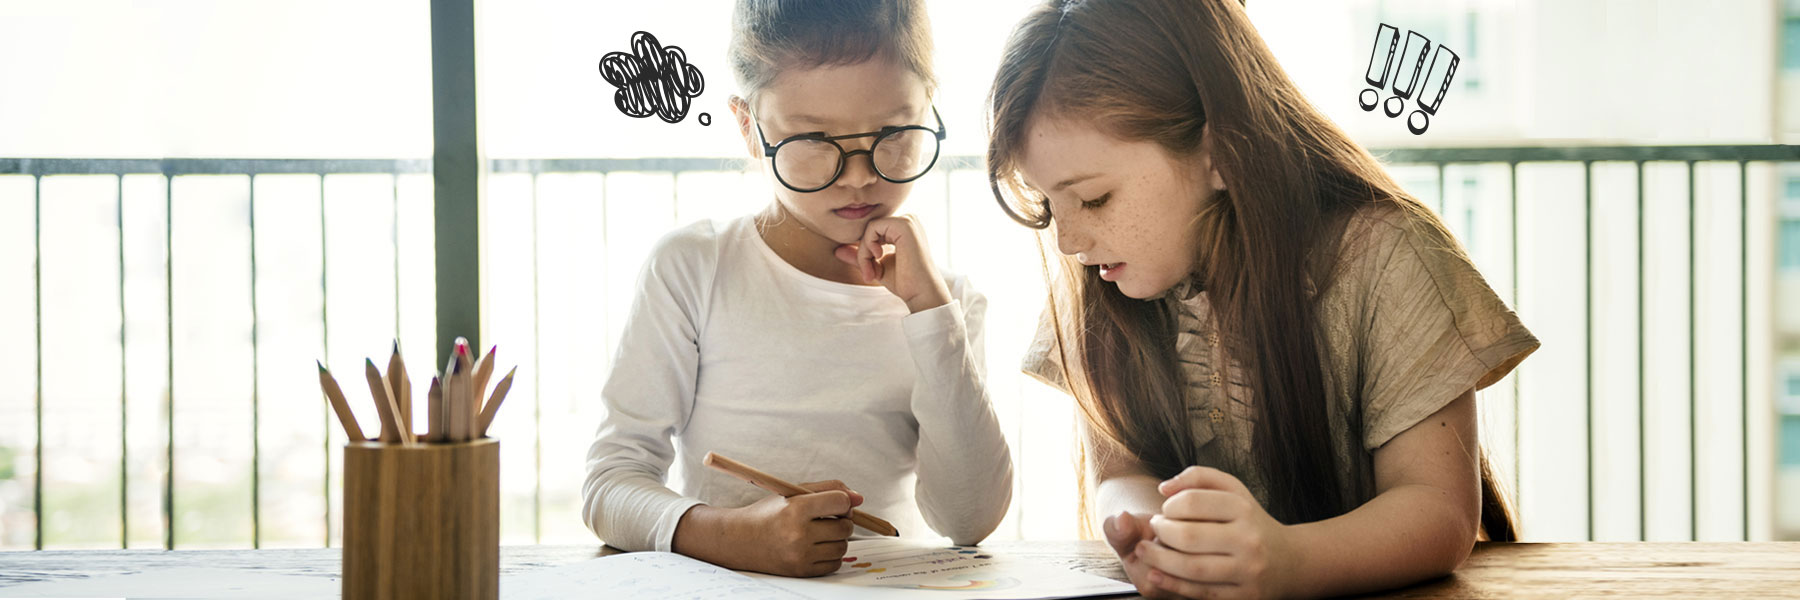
[[777, 485], [455, 408]]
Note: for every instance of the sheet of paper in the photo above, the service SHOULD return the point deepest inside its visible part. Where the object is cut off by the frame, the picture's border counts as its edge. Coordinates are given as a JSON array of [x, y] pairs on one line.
[[183, 582], [639, 575], [881, 569]]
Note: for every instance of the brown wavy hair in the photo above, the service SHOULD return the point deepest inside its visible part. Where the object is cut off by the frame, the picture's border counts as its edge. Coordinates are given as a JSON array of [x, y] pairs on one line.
[[1165, 71]]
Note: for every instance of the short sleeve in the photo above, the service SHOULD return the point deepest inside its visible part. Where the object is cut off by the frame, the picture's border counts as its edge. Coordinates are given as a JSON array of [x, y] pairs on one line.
[[1043, 359], [1435, 329]]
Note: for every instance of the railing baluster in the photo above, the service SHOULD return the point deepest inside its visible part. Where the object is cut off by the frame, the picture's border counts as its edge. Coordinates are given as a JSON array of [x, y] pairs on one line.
[[1643, 486], [395, 182], [255, 386], [1442, 201], [537, 380], [1693, 370], [124, 440], [1518, 421], [168, 515], [37, 282], [325, 350], [1587, 273], [1744, 335]]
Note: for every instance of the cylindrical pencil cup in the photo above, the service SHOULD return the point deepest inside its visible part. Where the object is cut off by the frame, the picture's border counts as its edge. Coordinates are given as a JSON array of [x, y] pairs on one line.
[[422, 521]]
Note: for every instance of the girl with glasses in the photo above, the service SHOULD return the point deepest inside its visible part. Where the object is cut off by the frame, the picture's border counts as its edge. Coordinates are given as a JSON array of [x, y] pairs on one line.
[[1275, 348], [814, 339]]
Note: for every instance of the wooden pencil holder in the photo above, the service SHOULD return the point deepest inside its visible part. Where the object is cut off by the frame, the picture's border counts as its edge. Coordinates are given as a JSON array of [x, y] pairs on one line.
[[422, 521]]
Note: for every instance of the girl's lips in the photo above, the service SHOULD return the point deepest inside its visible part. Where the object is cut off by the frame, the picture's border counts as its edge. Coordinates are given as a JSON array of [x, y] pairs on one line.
[[855, 211], [1110, 272]]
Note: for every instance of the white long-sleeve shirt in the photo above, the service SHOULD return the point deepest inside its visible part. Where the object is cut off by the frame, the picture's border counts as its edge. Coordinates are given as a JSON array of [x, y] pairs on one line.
[[731, 349]]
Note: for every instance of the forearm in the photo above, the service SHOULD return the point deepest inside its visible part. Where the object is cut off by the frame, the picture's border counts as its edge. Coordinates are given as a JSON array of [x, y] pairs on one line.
[[1407, 534], [964, 465], [706, 532]]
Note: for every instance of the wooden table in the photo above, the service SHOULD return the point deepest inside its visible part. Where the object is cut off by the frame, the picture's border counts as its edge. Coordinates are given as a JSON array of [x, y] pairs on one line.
[[1670, 570]]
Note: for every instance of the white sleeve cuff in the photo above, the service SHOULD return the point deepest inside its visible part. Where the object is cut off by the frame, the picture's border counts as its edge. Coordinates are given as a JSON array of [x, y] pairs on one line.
[[932, 323], [664, 530]]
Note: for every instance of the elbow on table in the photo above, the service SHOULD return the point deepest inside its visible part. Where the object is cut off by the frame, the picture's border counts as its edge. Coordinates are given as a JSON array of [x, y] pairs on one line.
[[972, 524], [590, 510], [1453, 549], [594, 509], [1454, 557], [971, 532]]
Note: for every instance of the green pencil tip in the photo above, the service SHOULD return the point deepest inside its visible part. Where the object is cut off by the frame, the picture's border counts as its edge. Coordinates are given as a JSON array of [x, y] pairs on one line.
[[321, 365]]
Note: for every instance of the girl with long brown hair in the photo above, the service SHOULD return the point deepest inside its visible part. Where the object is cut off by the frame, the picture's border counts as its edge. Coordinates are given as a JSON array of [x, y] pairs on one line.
[[1274, 347]]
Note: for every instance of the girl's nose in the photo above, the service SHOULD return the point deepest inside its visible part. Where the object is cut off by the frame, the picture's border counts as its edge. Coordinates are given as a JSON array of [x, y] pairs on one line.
[[859, 170]]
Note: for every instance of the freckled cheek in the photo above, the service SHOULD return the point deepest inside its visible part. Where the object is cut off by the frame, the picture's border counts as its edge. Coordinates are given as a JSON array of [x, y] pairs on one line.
[[1105, 235], [1162, 241]]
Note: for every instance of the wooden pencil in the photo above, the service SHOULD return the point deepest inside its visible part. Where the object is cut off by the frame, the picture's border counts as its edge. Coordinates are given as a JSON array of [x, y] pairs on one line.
[[465, 397], [384, 406], [484, 369], [434, 409], [777, 485], [335, 397], [397, 381], [449, 396], [453, 412], [493, 404]]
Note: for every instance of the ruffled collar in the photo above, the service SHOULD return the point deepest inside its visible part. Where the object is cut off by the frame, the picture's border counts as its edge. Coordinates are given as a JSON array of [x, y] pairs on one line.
[[1183, 290]]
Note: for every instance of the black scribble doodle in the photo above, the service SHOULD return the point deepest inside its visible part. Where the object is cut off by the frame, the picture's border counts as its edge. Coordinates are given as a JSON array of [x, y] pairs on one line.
[[1405, 84], [653, 80]]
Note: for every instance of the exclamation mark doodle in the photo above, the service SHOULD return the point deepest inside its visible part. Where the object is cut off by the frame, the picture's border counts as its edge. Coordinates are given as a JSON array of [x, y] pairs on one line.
[[1369, 98], [1406, 84], [1421, 119], [1396, 104]]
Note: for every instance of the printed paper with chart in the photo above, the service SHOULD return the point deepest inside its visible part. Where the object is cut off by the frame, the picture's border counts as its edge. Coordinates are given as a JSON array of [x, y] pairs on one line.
[[886, 568]]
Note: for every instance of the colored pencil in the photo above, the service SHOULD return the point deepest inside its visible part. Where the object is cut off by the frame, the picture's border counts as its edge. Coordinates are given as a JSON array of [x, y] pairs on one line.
[[385, 406], [335, 397], [434, 409], [493, 404], [397, 381], [777, 485]]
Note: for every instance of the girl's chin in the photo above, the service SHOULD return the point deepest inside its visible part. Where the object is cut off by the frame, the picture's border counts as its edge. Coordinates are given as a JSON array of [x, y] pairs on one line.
[[1135, 288], [1136, 295]]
